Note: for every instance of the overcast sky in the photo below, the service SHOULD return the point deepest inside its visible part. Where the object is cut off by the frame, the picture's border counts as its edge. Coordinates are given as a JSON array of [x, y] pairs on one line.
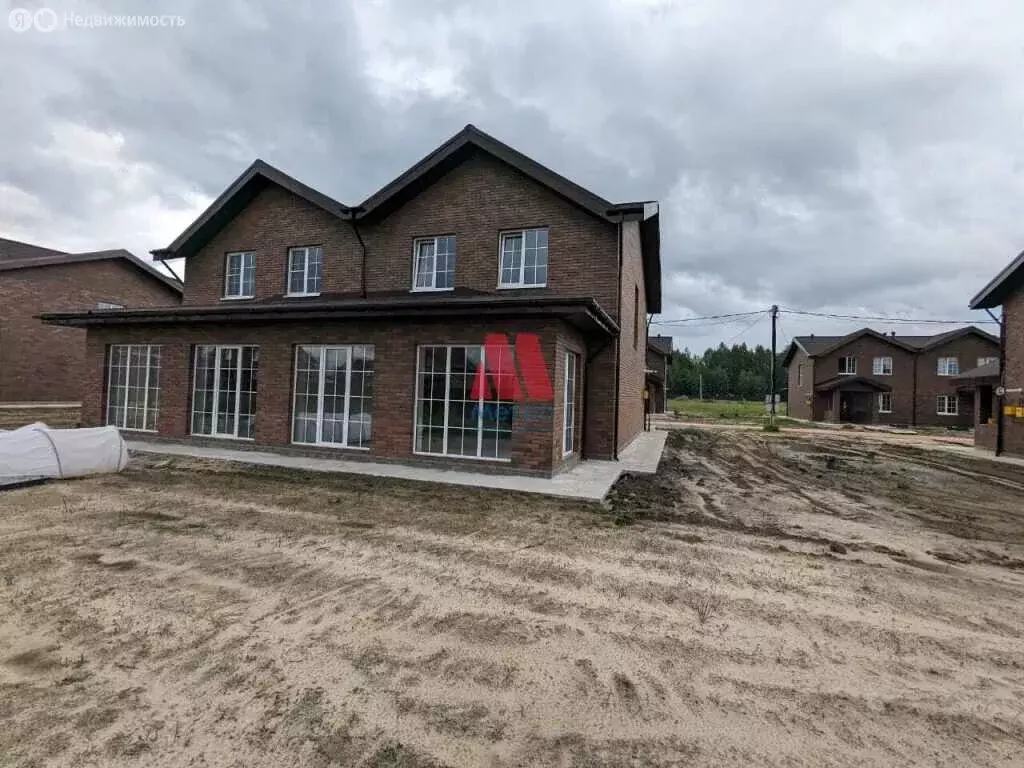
[[850, 157]]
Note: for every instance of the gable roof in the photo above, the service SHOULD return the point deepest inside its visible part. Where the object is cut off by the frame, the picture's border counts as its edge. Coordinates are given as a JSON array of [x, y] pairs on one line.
[[46, 257], [817, 346], [1010, 279], [412, 182], [233, 200], [15, 250]]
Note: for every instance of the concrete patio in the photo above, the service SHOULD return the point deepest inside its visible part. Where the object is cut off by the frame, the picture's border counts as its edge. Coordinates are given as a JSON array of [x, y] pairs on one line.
[[589, 480]]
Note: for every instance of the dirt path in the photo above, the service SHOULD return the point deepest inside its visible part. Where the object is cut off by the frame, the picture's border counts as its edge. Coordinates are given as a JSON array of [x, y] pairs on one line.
[[189, 613]]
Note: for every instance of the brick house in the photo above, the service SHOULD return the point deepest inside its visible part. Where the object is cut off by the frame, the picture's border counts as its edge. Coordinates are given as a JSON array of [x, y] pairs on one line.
[[1003, 430], [44, 363], [876, 378], [659, 349], [480, 311]]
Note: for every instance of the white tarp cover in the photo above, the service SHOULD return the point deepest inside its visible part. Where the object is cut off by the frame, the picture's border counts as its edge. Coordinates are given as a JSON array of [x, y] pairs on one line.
[[37, 451]]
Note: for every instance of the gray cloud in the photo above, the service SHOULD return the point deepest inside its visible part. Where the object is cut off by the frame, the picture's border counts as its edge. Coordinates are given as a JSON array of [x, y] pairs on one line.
[[851, 156]]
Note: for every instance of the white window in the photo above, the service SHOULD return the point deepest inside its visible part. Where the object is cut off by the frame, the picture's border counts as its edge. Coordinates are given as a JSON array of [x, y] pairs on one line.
[[799, 374], [433, 267], [224, 391], [305, 270], [569, 412], [948, 366], [333, 396], [881, 366], [133, 386], [983, 361], [240, 276], [885, 402], [108, 305], [847, 365], [947, 405], [465, 400], [524, 259]]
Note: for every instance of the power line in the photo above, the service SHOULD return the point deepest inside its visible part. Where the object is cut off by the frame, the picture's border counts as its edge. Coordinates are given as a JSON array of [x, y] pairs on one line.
[[882, 318], [760, 316], [707, 317]]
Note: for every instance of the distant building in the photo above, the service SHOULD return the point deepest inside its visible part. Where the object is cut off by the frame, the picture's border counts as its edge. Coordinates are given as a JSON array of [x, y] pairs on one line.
[[869, 377], [659, 350], [45, 363]]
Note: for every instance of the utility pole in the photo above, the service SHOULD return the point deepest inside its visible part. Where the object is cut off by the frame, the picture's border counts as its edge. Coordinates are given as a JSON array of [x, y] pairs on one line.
[[700, 383], [775, 320]]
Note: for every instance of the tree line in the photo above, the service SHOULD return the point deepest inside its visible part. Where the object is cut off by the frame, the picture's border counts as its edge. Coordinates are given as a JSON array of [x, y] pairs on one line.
[[738, 372]]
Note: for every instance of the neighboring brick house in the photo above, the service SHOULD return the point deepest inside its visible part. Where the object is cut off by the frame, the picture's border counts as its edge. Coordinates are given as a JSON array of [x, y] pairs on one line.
[[875, 378], [659, 350], [1003, 431], [378, 330], [44, 363]]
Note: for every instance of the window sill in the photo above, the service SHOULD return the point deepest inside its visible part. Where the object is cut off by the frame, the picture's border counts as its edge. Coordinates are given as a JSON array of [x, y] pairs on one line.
[[236, 298], [333, 446], [431, 290], [224, 437], [134, 431], [300, 295], [847, 373], [519, 287], [491, 459]]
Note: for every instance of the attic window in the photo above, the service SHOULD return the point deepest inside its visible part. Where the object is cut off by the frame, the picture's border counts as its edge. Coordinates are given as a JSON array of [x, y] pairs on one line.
[[240, 276]]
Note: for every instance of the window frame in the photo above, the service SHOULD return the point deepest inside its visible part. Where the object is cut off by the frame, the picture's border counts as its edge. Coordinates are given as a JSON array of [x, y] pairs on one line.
[[947, 399], [292, 252], [522, 257], [569, 403], [843, 359], [241, 275], [145, 387], [433, 274], [447, 405], [882, 395], [939, 369], [218, 366], [321, 377], [879, 370]]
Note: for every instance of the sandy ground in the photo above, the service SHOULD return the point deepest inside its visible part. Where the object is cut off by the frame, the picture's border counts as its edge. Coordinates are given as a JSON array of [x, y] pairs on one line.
[[775, 601]]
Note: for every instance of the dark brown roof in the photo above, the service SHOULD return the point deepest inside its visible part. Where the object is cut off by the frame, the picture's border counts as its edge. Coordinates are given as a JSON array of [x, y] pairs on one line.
[[583, 312], [1010, 279], [14, 250], [988, 371], [816, 346], [851, 382], [413, 181], [48, 258], [662, 345]]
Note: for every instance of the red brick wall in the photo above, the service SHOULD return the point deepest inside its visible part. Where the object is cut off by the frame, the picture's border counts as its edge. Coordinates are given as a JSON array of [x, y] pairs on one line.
[[477, 201], [866, 349], [633, 337], [798, 395], [929, 384], [1013, 378], [44, 363], [533, 446], [273, 222]]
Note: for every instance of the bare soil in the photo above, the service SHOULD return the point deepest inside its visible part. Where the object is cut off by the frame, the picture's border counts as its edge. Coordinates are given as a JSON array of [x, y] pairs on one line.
[[777, 600]]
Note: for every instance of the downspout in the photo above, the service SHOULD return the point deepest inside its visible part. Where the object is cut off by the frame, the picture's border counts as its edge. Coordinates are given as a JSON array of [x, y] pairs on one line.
[[618, 347], [352, 213], [1002, 378]]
